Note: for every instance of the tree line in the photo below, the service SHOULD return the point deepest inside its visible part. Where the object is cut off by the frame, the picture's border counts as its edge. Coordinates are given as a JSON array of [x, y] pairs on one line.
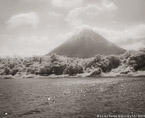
[[130, 61]]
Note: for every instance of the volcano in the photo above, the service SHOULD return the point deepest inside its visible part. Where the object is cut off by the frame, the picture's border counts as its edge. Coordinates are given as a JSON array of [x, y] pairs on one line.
[[87, 43]]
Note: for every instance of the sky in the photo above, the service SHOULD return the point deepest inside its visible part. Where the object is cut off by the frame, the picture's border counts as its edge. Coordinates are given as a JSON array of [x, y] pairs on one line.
[[35, 27]]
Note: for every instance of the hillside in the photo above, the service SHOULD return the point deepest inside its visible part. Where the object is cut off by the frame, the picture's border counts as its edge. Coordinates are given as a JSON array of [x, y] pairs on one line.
[[87, 43]]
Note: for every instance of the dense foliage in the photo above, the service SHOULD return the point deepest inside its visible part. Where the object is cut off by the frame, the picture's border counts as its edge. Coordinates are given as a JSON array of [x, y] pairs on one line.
[[58, 65]]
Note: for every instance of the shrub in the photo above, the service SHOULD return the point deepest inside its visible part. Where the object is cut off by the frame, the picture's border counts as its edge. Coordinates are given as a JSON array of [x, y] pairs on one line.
[[58, 69], [7, 71], [44, 71], [96, 72], [72, 70], [14, 71], [54, 58], [127, 54], [137, 61], [114, 61], [106, 63]]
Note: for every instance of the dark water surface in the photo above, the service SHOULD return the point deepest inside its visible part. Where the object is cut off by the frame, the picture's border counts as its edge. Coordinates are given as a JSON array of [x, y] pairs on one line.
[[71, 97]]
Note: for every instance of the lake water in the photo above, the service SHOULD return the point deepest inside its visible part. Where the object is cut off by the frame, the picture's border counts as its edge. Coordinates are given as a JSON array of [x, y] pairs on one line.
[[71, 97]]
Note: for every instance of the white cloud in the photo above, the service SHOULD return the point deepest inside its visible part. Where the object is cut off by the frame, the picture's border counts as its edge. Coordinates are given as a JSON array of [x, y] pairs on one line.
[[30, 45], [67, 3], [131, 38], [26, 46], [31, 19], [90, 11], [73, 19], [134, 46], [132, 33], [53, 13], [34, 0]]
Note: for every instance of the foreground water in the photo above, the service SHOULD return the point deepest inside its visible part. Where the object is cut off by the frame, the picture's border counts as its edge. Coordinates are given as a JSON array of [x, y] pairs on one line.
[[71, 97]]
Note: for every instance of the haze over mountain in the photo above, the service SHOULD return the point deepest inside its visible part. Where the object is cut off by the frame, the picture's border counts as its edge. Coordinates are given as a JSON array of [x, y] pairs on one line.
[[87, 43]]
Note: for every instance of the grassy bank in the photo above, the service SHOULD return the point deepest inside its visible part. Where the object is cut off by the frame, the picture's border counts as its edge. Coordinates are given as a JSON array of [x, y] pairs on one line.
[[72, 97]]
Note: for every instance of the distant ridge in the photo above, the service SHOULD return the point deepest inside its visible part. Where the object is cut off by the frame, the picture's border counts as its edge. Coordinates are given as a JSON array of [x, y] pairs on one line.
[[87, 43]]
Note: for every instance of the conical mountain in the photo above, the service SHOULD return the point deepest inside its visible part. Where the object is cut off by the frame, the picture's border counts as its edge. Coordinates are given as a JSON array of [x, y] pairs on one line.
[[87, 43]]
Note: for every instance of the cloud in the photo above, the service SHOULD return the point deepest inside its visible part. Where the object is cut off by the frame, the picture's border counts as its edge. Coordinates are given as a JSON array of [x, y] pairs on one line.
[[26, 52], [26, 46], [34, 1], [67, 3], [91, 11], [131, 38], [31, 19], [53, 13], [30, 45]]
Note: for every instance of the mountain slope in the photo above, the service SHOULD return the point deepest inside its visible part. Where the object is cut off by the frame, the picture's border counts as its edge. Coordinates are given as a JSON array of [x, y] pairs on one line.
[[87, 43]]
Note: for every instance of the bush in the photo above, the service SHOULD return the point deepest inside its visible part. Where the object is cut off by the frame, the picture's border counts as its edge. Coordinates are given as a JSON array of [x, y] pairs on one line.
[[137, 61], [106, 63], [58, 69], [54, 58], [72, 70], [32, 69], [44, 71], [114, 61], [14, 71], [55, 64], [6, 71], [127, 54], [96, 72]]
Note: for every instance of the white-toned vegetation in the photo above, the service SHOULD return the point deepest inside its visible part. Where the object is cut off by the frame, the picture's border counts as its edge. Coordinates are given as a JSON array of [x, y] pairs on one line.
[[130, 61]]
